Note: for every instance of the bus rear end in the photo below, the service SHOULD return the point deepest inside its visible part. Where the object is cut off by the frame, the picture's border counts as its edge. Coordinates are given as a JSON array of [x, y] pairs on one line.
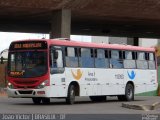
[[28, 73]]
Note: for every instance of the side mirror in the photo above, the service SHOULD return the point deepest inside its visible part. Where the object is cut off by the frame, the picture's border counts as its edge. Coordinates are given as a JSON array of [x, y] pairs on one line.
[[2, 60]]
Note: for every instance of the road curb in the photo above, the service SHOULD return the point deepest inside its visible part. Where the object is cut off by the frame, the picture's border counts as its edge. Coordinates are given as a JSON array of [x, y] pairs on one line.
[[141, 107]]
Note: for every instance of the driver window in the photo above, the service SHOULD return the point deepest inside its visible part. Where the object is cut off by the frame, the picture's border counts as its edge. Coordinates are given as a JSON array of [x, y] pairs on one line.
[[56, 59]]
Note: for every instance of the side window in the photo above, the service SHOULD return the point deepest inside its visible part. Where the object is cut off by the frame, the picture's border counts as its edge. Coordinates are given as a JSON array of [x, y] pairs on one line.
[[128, 55], [114, 54], [129, 62], [100, 53], [85, 52], [13, 62], [56, 58], [70, 51], [141, 56], [71, 57], [142, 63], [151, 56], [86, 59], [100, 59], [116, 60], [151, 62]]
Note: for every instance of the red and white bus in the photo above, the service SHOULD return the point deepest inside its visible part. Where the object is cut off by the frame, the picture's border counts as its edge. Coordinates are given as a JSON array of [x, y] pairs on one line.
[[45, 68]]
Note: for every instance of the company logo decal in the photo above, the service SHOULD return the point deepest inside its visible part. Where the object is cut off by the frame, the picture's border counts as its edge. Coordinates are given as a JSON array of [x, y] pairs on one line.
[[77, 75], [131, 74]]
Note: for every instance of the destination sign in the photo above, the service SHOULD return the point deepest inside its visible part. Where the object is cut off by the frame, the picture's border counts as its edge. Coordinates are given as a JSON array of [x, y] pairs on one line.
[[16, 73], [28, 45]]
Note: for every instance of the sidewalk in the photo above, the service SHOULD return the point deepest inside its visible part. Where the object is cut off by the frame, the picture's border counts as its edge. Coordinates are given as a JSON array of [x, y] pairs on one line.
[[143, 103]]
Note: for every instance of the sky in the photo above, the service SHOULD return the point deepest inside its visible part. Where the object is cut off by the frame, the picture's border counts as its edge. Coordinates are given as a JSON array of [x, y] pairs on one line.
[[7, 37]]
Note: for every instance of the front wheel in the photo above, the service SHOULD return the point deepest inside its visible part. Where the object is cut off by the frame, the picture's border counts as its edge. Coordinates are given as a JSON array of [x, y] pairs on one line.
[[71, 95], [129, 92]]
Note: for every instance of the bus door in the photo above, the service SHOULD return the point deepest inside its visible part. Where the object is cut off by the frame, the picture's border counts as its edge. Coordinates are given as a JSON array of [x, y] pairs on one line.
[[57, 77]]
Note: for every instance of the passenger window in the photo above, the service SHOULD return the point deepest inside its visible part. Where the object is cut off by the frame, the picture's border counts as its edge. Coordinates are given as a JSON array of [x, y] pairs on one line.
[[114, 54], [141, 56], [151, 56], [129, 63], [56, 60], [86, 59], [128, 55], [100, 53], [71, 52], [142, 63], [71, 57], [85, 52], [151, 62], [100, 60], [115, 60]]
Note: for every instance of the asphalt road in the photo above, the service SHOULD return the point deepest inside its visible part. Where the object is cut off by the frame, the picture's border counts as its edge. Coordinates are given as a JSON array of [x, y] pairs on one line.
[[83, 109]]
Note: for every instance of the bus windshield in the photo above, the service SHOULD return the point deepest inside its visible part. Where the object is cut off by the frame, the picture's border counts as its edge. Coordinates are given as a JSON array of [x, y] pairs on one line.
[[27, 64]]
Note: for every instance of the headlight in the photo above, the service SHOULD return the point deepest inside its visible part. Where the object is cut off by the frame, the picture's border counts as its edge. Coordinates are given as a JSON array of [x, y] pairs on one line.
[[43, 84], [10, 85]]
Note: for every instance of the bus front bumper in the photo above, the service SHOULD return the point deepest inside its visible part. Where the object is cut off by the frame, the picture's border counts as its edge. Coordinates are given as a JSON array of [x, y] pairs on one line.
[[28, 93]]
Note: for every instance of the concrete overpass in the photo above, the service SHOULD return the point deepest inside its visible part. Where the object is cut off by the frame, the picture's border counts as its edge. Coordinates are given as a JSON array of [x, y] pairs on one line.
[[60, 18]]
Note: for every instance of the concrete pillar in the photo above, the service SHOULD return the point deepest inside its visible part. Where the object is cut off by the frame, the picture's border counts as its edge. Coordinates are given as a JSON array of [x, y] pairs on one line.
[[61, 24]]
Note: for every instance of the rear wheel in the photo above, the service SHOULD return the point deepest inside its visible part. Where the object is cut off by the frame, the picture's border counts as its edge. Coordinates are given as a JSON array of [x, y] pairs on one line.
[[129, 92], [71, 95], [36, 100]]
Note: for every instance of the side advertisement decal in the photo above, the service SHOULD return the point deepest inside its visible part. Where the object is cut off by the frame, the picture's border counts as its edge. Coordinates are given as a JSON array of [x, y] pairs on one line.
[[77, 75], [131, 74]]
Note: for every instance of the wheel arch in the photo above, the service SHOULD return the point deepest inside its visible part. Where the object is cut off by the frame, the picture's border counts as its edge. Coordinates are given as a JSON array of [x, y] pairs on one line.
[[132, 83], [77, 87]]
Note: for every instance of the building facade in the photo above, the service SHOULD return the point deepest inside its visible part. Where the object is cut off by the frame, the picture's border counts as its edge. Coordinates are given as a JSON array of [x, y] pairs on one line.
[[144, 42]]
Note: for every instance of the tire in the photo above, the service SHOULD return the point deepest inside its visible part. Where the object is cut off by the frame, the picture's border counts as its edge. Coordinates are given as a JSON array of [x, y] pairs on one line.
[[46, 100], [98, 98], [36, 100], [129, 92], [71, 95]]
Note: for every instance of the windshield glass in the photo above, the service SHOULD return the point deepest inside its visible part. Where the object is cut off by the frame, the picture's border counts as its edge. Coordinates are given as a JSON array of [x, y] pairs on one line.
[[27, 64]]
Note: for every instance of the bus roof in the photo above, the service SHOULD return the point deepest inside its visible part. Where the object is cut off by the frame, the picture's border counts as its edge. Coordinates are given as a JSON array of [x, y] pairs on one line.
[[92, 45]]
